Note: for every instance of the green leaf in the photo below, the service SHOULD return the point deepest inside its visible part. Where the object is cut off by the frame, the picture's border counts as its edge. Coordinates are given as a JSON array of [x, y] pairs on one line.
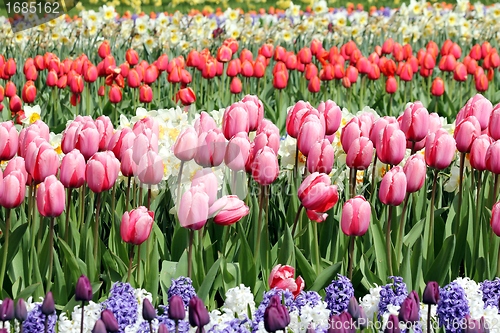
[[15, 240], [326, 277], [208, 281], [380, 253], [28, 291], [438, 269], [286, 252], [306, 270], [246, 261]]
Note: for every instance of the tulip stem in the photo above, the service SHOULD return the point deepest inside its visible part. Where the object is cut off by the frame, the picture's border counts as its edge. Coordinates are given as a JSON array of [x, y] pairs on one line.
[[429, 318], [388, 240], [495, 188], [5, 249], [131, 259], [259, 225], [295, 222], [139, 199], [402, 229], [138, 272], [127, 195], [96, 225], [151, 327], [460, 191], [190, 252], [374, 170], [82, 206], [477, 217], [83, 316], [51, 253], [353, 182], [46, 325], [431, 217], [68, 207], [351, 255], [149, 197], [296, 167]]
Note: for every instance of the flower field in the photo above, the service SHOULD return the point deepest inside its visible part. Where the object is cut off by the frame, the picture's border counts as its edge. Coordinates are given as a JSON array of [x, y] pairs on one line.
[[319, 170]]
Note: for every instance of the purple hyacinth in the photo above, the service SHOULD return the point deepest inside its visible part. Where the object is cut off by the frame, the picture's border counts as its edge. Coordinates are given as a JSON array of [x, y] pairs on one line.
[[452, 307], [164, 319], [36, 321], [392, 293], [236, 325], [259, 313], [491, 292], [183, 287], [310, 298], [338, 294], [123, 304]]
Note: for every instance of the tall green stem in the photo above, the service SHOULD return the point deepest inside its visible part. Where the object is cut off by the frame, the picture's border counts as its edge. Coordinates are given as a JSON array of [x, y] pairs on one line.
[[96, 225], [388, 241], [68, 208], [51, 253], [460, 191], [316, 247], [5, 248], [431, 217], [351, 255], [131, 259], [296, 220], [399, 241], [138, 271], [83, 317], [259, 224], [127, 195], [190, 252]]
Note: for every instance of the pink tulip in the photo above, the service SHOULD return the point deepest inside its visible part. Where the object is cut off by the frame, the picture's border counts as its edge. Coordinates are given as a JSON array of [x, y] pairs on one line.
[[16, 164], [350, 132], [492, 158], [73, 169], [310, 132], [127, 164], [30, 133], [415, 171], [255, 110], [185, 145], [332, 114], [294, 117], [50, 197], [41, 160], [210, 183], [265, 168], [105, 129], [393, 187], [479, 107], [13, 189], [268, 127], [87, 141], [267, 139], [494, 124], [495, 219], [193, 208], [228, 210], [102, 171], [149, 170], [466, 132], [360, 154], [320, 157], [204, 123], [237, 152], [478, 152], [440, 149], [316, 216], [391, 148], [147, 123], [367, 119], [211, 148], [121, 141], [317, 193], [136, 225], [415, 122], [143, 142], [356, 215], [9, 140], [235, 120], [378, 127], [283, 277]]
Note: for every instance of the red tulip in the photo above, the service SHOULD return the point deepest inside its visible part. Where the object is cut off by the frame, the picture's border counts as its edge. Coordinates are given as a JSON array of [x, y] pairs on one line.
[[151, 74], [391, 85], [415, 171], [481, 82], [50, 197], [448, 63], [10, 89], [393, 187], [388, 46], [235, 86], [102, 171], [266, 50], [314, 85], [356, 215], [145, 94], [136, 225], [280, 80], [460, 72], [265, 167], [406, 73], [132, 57], [437, 87], [316, 193], [186, 96], [440, 149]]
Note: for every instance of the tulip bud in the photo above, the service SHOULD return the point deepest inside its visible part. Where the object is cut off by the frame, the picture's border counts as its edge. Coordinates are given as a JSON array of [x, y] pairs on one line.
[[356, 215], [193, 208], [478, 152], [495, 219], [109, 320], [415, 121], [360, 153], [415, 171], [20, 311], [492, 158], [48, 306], [320, 157], [115, 94], [148, 310], [7, 310], [186, 96], [408, 313], [431, 293], [235, 86], [317, 193], [276, 316], [235, 120], [99, 327], [50, 197], [353, 308], [145, 94], [466, 132], [136, 225], [198, 314], [83, 291], [391, 147], [439, 149], [437, 87], [391, 85], [238, 152], [393, 187], [392, 325], [176, 310], [265, 168], [185, 145]]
